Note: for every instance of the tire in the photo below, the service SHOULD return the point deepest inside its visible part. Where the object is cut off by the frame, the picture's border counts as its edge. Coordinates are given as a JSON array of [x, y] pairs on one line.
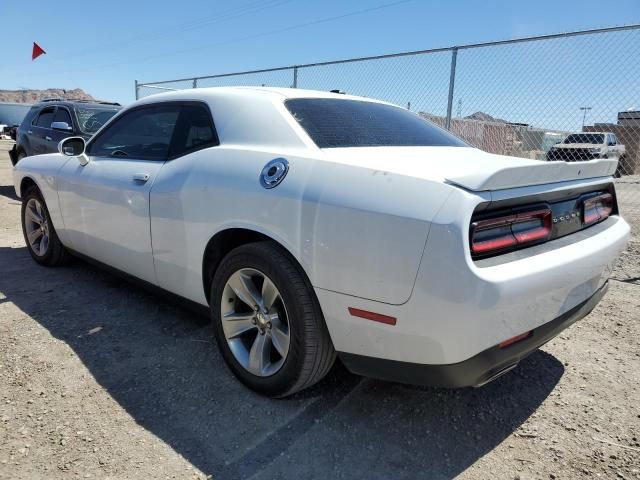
[[46, 248], [16, 155], [622, 167], [310, 353]]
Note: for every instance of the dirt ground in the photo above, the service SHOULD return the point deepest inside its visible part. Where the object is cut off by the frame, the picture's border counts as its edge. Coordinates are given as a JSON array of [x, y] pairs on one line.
[[100, 379]]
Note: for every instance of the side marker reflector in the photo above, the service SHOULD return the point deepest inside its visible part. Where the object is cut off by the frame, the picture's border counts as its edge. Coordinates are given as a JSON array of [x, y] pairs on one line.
[[517, 338], [376, 317]]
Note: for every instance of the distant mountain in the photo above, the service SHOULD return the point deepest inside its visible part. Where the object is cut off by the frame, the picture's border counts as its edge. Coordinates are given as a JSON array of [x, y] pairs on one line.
[[32, 96], [484, 117]]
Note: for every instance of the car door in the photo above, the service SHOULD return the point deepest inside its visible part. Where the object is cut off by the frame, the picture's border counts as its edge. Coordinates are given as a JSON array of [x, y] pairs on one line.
[[105, 203], [40, 131], [615, 146]]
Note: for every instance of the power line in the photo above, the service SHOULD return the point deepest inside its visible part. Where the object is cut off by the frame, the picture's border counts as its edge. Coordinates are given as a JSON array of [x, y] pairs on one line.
[[240, 39], [219, 17]]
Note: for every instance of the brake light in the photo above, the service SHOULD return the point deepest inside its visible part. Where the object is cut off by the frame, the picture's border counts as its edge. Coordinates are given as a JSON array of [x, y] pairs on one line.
[[508, 231], [597, 208]]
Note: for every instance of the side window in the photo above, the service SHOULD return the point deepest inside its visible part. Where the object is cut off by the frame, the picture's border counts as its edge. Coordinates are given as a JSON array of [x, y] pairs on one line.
[[45, 119], [30, 118], [614, 139], [62, 115], [143, 133], [194, 130]]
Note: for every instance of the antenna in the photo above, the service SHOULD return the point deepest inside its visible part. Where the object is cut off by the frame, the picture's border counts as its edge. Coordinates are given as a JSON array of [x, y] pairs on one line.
[[584, 114]]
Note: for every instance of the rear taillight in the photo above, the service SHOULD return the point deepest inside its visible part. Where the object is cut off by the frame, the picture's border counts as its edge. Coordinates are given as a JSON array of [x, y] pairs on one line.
[[514, 230], [597, 208]]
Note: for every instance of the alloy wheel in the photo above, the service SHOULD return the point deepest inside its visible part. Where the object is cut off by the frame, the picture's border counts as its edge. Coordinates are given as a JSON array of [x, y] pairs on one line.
[[255, 322], [37, 227]]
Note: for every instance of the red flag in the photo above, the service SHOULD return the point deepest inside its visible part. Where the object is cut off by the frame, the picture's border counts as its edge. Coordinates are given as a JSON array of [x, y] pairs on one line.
[[37, 51]]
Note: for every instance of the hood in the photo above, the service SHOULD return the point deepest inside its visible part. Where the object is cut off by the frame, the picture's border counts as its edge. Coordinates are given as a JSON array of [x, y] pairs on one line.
[[578, 145], [468, 167]]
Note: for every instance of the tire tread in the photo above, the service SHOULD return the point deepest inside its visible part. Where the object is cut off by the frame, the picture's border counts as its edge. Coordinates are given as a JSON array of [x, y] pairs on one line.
[[319, 354], [58, 254]]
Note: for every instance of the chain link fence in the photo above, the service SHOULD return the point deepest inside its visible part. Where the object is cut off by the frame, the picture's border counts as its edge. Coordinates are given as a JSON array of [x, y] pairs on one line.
[[563, 97]]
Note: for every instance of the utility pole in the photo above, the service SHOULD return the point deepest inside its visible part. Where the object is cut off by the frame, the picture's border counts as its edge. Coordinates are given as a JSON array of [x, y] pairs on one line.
[[584, 114], [459, 107]]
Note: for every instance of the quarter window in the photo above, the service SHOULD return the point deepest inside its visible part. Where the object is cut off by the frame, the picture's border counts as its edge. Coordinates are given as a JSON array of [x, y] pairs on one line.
[[45, 119], [194, 130], [143, 133]]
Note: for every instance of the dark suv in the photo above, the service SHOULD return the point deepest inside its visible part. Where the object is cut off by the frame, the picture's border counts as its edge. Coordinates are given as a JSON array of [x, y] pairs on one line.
[[52, 120]]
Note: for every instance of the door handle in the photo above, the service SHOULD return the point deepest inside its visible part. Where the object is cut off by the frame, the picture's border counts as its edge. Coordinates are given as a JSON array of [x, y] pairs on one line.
[[47, 138], [29, 132], [141, 177]]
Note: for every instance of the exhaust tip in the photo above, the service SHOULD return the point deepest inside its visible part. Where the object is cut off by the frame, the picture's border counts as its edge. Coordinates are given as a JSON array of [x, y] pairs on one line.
[[497, 374]]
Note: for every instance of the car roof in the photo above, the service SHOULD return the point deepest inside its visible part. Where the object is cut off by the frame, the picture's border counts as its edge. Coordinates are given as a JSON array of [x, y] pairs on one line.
[[249, 92], [73, 102]]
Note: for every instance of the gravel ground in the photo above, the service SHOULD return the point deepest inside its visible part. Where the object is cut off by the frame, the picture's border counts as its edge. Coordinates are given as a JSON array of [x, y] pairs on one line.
[[100, 379]]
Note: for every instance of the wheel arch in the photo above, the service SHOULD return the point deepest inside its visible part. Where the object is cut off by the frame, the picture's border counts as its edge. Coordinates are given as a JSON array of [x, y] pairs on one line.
[[26, 183], [226, 240], [22, 145]]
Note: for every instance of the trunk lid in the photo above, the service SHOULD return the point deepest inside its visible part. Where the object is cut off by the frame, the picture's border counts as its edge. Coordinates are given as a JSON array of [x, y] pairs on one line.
[[468, 167]]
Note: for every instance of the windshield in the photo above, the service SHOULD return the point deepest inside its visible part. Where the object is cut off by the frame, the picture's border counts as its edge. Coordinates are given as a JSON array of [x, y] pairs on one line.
[[585, 138], [91, 118], [334, 123]]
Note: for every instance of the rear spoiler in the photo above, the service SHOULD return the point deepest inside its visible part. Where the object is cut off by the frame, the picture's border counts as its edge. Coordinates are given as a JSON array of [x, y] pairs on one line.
[[527, 175]]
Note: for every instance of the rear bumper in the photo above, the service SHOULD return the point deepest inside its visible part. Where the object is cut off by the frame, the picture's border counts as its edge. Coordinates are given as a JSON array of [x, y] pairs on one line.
[[477, 370], [460, 308]]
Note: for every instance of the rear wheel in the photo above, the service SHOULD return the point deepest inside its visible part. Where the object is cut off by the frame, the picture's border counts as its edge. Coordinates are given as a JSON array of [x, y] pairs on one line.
[[267, 321], [16, 155], [39, 234]]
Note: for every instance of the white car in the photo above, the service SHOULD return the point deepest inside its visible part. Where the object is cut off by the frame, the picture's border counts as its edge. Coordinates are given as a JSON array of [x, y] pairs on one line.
[[587, 146], [314, 224]]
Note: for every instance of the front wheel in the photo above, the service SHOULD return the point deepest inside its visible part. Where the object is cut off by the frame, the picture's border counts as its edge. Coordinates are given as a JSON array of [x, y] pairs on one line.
[[267, 321], [39, 234]]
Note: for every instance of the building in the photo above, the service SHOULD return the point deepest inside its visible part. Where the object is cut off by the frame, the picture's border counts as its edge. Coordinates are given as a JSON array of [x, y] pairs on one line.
[[630, 118], [501, 137], [628, 132], [13, 113]]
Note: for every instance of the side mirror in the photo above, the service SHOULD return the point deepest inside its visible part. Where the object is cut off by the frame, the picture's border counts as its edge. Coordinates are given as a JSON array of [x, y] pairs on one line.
[[61, 126], [72, 146]]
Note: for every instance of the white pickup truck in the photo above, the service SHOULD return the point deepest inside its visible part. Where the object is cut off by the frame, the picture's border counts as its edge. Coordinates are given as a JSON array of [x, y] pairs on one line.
[[587, 146]]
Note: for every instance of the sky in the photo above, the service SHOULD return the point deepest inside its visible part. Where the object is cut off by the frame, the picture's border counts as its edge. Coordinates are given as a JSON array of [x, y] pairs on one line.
[[104, 46]]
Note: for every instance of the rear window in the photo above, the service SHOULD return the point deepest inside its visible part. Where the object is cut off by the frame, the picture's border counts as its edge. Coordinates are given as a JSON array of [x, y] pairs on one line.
[[334, 123]]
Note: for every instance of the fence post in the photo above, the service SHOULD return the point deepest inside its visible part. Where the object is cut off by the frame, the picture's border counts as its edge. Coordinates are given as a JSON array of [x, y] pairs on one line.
[[452, 81], [195, 83], [137, 89], [295, 77]]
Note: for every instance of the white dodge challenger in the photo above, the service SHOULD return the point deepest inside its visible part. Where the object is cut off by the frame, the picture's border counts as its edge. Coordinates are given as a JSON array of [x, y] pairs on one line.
[[316, 225]]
